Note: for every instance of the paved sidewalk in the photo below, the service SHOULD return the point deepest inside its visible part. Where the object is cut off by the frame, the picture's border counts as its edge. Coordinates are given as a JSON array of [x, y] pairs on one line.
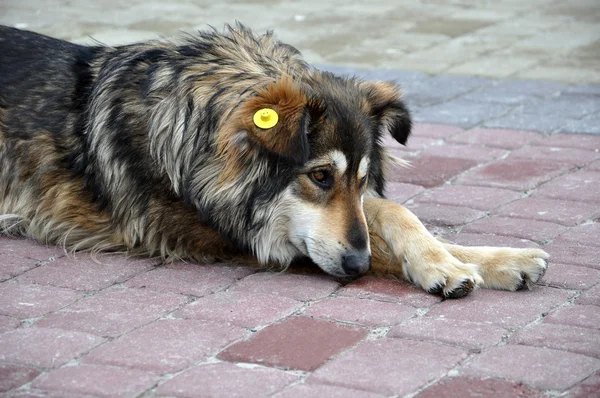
[[73, 327], [533, 39]]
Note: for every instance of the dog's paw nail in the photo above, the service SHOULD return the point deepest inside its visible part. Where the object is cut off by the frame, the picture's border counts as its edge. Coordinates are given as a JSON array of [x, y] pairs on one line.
[[437, 289], [465, 288]]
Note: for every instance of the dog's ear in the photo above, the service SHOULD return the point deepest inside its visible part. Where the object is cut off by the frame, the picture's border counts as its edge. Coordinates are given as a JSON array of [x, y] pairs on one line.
[[390, 112], [285, 137]]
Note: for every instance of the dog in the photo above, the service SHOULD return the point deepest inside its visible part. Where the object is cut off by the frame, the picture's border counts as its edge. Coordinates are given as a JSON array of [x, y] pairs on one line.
[[218, 146]]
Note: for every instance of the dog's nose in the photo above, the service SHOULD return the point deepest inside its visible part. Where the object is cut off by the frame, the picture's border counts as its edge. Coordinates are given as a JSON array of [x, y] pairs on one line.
[[356, 263]]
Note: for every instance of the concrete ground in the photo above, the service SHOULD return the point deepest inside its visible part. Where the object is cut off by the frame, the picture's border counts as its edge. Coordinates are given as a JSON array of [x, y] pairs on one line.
[[497, 160]]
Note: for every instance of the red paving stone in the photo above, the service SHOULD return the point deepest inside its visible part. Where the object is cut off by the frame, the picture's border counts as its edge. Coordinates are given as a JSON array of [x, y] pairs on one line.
[[43, 347], [226, 380], [170, 327], [480, 198], [323, 391], [13, 376], [102, 381], [384, 289], [542, 368], [400, 192], [517, 174], [461, 387], [581, 186], [242, 309], [361, 311], [294, 286], [86, 273], [389, 366], [166, 346], [556, 211], [586, 316], [457, 332], [28, 301], [442, 215], [496, 138], [113, 312], [297, 343], [11, 266], [561, 337], [537, 231], [189, 279], [570, 277], [502, 308]]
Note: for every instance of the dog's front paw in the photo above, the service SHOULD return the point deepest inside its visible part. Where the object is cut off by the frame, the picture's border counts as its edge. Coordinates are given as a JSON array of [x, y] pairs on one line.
[[516, 269], [447, 276]]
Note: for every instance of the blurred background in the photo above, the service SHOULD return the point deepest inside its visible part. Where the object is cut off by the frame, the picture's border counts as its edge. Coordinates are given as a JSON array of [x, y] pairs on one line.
[[521, 39]]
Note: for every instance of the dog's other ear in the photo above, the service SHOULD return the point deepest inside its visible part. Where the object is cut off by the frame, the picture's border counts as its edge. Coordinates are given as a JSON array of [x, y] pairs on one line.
[[389, 110], [287, 138]]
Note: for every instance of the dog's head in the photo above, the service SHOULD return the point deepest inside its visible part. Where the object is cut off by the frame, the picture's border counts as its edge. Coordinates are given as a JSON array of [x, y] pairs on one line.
[[327, 144]]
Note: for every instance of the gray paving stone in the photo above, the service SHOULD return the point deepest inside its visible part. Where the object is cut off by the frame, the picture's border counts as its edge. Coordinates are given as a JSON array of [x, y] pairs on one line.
[[588, 125], [528, 121], [462, 113], [440, 89]]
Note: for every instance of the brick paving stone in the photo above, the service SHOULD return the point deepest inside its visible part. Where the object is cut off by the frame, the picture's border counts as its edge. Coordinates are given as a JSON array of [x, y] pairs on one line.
[[542, 368], [537, 231], [460, 387], [8, 323], [594, 166], [462, 113], [581, 141], [386, 289], [571, 156], [82, 272], [471, 152], [430, 171], [491, 240], [444, 131], [189, 279], [585, 316], [573, 254], [471, 335], [37, 393], [11, 266], [28, 301], [562, 212], [591, 296], [443, 215], [517, 174], [502, 308], [226, 380], [414, 144], [389, 366], [43, 347], [323, 391], [561, 337], [294, 286], [361, 311], [242, 309], [400, 192], [588, 388], [587, 234], [480, 198], [166, 346], [113, 312], [570, 276], [29, 249], [580, 186], [299, 343], [496, 138], [102, 381], [13, 376]]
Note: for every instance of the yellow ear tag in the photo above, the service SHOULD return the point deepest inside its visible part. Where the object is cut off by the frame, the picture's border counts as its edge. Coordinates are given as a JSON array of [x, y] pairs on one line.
[[266, 118]]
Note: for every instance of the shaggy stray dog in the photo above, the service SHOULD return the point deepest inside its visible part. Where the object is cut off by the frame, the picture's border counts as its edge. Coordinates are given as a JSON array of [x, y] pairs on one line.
[[218, 146]]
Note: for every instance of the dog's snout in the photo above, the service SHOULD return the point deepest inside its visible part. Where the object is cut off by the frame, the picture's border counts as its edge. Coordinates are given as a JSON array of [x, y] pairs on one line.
[[356, 263]]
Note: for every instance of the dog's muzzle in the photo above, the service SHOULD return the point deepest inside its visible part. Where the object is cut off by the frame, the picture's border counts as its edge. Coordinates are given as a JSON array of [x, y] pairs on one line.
[[356, 263]]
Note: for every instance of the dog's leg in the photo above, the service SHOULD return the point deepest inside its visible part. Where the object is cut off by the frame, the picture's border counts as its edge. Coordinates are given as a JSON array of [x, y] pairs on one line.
[[402, 245], [503, 267]]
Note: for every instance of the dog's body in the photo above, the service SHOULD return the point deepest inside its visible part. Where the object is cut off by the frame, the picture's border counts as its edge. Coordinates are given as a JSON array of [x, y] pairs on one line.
[[154, 148]]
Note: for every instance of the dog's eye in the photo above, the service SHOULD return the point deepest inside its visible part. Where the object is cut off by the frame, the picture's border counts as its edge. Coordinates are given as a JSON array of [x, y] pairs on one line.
[[363, 181], [322, 178]]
